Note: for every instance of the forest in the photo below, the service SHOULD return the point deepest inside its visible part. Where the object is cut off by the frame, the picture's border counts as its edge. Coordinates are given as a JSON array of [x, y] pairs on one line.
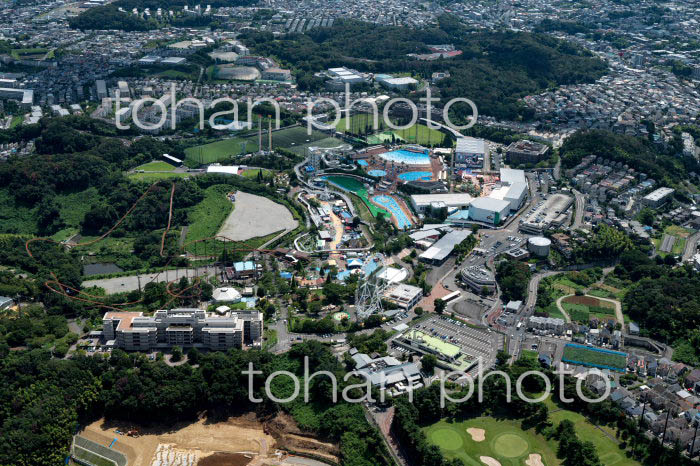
[[494, 70], [43, 401]]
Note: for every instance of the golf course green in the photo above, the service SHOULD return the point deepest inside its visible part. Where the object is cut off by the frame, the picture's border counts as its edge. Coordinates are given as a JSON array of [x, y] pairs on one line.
[[503, 441]]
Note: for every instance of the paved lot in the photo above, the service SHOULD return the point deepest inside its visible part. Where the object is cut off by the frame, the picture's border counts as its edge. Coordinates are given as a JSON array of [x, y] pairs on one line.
[[255, 216], [479, 343]]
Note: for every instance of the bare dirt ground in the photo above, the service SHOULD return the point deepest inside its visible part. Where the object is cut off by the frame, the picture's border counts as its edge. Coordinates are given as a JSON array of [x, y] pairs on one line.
[[238, 441], [255, 216]]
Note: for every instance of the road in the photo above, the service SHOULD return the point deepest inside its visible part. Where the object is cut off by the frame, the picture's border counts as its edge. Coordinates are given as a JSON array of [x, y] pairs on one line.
[[561, 308], [134, 282], [580, 209], [691, 246]]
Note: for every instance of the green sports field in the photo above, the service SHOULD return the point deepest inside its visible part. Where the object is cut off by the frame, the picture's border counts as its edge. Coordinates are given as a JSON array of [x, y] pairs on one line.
[[219, 151], [594, 358], [417, 134], [505, 441]]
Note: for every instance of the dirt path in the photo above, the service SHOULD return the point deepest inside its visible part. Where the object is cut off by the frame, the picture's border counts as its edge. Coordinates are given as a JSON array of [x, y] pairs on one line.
[[561, 308]]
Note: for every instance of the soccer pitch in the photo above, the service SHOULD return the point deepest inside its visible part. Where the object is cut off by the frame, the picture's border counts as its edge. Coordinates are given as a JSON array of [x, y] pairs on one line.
[[594, 357]]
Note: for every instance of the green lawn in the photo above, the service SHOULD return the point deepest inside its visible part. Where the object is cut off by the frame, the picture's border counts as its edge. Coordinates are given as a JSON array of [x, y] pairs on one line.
[[151, 177], [252, 174], [90, 457], [595, 358], [608, 450], [505, 441], [289, 138], [16, 121], [206, 218], [156, 166], [681, 235], [417, 134]]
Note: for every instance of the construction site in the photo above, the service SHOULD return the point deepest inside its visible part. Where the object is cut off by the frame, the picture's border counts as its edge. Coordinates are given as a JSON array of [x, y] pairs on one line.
[[237, 441]]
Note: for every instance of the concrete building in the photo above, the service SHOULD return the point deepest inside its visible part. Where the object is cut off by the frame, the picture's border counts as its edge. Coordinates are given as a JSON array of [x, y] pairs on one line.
[[478, 279], [243, 270], [24, 96], [489, 210], [470, 153], [438, 253], [657, 197], [132, 331], [404, 296], [421, 202], [546, 324], [277, 74], [401, 84], [525, 151]]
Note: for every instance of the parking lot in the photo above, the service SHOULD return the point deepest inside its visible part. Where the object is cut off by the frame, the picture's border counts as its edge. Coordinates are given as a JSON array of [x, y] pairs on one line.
[[477, 343]]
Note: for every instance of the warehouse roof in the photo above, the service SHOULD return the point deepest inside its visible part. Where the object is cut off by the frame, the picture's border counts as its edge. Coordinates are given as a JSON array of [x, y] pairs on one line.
[[489, 203]]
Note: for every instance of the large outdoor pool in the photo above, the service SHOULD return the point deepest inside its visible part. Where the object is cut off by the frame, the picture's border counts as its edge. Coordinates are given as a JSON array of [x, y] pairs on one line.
[[406, 156], [376, 173], [362, 163], [413, 176], [392, 206]]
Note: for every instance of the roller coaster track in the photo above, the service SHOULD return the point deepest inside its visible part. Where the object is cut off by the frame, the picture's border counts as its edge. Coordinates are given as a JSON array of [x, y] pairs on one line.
[[67, 291]]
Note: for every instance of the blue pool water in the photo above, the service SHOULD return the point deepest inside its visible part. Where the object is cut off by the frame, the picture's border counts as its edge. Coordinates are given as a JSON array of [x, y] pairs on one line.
[[413, 176], [391, 205], [376, 173], [362, 163], [407, 157]]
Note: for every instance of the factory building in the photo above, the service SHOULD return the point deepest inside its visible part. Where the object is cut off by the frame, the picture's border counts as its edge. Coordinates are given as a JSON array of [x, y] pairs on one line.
[[470, 153], [132, 331], [24, 96]]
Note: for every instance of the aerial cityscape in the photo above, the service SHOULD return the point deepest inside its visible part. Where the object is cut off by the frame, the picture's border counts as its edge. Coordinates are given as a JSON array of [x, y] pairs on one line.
[[358, 233]]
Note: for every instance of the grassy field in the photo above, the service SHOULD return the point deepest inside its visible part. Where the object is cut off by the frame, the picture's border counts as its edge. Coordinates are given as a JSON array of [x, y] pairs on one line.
[[505, 441], [151, 177], [582, 308], [417, 134], [206, 218], [325, 142], [593, 357], [218, 151], [681, 235], [608, 450], [156, 166], [16, 120], [252, 174]]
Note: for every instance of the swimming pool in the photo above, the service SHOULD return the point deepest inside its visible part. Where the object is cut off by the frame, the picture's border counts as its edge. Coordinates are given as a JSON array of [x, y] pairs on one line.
[[413, 176], [376, 173], [406, 156], [393, 207], [362, 163]]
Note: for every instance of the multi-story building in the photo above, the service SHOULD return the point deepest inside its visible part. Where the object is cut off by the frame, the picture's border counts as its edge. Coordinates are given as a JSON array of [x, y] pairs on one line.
[[478, 279], [277, 74], [657, 197], [525, 151], [404, 296], [182, 327]]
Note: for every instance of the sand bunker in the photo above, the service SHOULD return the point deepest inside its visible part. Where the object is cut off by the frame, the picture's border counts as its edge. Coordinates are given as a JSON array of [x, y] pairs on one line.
[[478, 435], [488, 461], [534, 460]]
